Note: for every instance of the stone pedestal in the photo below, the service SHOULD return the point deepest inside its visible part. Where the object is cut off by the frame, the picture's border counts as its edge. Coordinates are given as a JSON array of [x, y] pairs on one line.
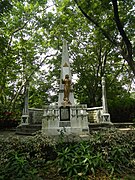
[[24, 119], [69, 119], [106, 118]]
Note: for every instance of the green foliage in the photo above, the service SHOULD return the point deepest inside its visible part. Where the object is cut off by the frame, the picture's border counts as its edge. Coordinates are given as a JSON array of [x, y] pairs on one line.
[[32, 30], [78, 159], [6, 6], [117, 150], [8, 120], [21, 50], [112, 151], [112, 19], [38, 157], [122, 109], [24, 157], [18, 167]]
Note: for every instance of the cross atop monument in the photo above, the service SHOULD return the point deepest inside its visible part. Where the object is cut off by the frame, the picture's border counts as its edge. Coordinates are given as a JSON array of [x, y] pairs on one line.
[[66, 96]]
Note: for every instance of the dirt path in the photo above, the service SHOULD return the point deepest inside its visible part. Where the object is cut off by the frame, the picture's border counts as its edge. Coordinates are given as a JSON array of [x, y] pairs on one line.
[[7, 133]]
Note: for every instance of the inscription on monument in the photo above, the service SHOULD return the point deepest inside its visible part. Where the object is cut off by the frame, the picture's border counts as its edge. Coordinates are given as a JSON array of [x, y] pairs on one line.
[[65, 114]]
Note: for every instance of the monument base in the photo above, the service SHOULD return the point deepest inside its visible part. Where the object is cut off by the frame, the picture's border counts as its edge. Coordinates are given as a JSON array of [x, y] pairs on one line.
[[68, 120], [65, 130], [25, 119], [105, 118]]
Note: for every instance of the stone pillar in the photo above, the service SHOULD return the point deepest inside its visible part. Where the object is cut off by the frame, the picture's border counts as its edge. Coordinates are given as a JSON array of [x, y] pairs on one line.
[[105, 115], [25, 115]]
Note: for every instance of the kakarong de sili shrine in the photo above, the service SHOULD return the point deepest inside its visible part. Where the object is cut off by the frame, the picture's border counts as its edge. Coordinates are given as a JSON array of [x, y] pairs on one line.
[[65, 115]]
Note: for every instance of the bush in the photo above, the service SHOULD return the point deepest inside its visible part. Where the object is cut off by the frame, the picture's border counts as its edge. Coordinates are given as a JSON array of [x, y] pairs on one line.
[[78, 160], [38, 157], [122, 109], [17, 167], [27, 154], [8, 120], [109, 151]]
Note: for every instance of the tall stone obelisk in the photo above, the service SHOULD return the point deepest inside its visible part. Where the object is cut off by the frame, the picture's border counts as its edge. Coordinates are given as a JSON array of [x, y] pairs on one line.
[[67, 117], [65, 70]]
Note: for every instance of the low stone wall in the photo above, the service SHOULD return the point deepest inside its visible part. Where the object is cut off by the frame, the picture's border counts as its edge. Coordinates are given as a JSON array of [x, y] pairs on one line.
[[35, 115], [94, 114]]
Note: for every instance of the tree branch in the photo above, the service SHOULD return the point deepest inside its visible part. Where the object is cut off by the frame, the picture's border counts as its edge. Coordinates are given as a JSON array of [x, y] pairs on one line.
[[16, 30], [126, 55], [26, 81], [96, 24], [120, 28]]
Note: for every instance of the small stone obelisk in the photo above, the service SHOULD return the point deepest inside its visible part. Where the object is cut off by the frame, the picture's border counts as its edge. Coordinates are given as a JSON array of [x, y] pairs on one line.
[[105, 115], [65, 71], [25, 115]]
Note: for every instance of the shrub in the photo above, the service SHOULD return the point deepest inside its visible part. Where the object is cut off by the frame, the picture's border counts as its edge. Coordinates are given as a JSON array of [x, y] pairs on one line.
[[122, 109], [110, 151], [17, 167], [78, 160], [19, 155], [117, 148], [8, 120]]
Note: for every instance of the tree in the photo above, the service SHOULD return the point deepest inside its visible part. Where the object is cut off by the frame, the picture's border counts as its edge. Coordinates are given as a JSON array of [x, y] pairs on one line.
[[23, 48], [105, 15], [91, 55], [31, 49]]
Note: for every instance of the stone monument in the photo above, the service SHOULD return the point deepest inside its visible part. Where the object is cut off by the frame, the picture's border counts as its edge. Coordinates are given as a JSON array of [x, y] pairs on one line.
[[25, 114], [105, 114], [66, 116]]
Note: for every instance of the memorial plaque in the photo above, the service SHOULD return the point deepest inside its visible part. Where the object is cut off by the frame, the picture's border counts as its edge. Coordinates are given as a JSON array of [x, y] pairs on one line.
[[65, 114]]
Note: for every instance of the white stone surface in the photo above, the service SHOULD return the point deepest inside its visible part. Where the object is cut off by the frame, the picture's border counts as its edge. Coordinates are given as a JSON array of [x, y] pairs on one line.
[[105, 115], [104, 100], [24, 119], [78, 123], [95, 114], [66, 117]]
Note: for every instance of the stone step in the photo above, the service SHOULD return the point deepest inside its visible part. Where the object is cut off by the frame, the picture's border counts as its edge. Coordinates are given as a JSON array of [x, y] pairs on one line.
[[25, 133], [28, 129], [100, 125], [123, 125]]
